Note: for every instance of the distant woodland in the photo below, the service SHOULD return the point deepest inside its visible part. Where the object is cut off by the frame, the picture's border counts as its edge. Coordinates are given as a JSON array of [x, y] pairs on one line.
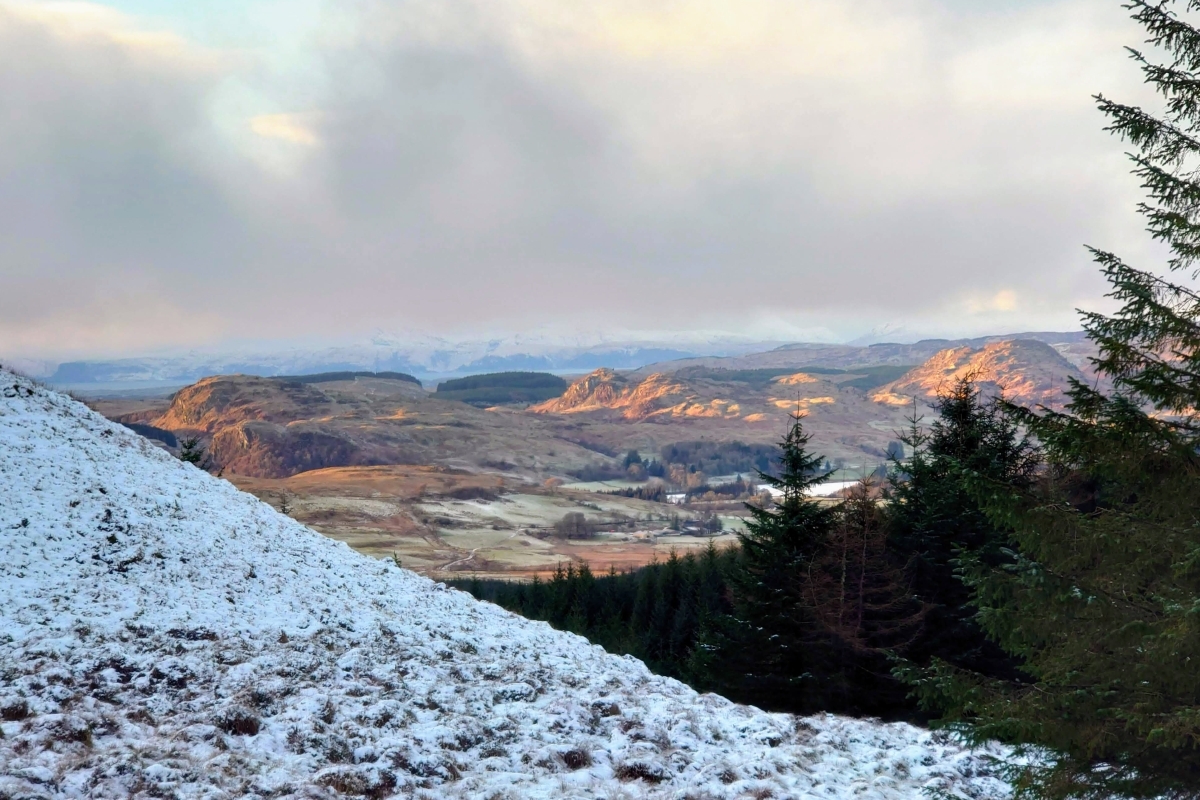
[[503, 388]]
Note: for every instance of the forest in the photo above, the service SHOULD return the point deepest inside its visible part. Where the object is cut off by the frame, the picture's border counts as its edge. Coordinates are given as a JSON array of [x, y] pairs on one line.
[[502, 388]]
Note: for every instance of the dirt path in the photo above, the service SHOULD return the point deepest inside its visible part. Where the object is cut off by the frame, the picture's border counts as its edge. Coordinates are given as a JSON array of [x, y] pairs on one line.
[[471, 557], [459, 561]]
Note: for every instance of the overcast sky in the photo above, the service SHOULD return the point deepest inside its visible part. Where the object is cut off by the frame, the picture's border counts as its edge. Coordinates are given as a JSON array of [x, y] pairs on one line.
[[188, 174]]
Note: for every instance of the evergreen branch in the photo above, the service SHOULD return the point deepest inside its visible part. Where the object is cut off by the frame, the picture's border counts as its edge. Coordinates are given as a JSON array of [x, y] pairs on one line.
[[1167, 31], [1158, 140], [1180, 88]]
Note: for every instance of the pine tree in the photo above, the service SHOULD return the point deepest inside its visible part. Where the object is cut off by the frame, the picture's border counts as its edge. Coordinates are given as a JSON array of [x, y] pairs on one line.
[[933, 519], [772, 647], [1102, 600], [191, 450]]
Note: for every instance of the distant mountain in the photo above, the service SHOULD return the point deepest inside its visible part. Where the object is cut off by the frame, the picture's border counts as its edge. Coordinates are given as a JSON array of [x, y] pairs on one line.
[[425, 357], [605, 390], [432, 358], [1075, 346], [848, 410]]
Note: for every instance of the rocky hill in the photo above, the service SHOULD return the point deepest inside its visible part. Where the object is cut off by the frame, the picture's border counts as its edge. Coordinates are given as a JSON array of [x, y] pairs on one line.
[[731, 406], [656, 396], [1026, 372], [167, 635], [272, 428], [695, 395]]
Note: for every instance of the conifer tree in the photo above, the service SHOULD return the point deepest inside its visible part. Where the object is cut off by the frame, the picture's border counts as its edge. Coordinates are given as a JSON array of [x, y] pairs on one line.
[[192, 451], [773, 650], [933, 520], [1102, 600]]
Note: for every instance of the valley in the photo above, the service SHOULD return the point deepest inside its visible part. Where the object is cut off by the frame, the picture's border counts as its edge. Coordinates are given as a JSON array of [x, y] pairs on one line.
[[448, 483]]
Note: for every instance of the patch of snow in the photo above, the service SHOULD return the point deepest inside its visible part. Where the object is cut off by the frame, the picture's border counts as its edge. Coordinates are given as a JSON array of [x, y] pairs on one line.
[[163, 634]]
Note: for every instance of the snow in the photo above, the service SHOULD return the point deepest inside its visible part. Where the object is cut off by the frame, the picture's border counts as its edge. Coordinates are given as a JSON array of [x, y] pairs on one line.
[[827, 489], [162, 634], [830, 488]]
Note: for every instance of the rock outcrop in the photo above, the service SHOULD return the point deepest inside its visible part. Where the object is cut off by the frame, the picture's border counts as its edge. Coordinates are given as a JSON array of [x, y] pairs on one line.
[[1024, 371]]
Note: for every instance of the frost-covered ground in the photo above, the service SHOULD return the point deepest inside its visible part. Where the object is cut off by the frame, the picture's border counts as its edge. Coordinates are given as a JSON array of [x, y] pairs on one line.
[[164, 635]]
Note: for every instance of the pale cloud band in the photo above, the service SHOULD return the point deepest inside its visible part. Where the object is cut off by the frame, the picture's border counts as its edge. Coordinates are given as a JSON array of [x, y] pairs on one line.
[[458, 164], [294, 128]]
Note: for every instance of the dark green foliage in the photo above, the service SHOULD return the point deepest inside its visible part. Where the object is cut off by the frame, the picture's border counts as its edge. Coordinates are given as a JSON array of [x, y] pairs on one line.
[[774, 621], [574, 525], [1100, 605], [877, 376], [739, 488], [499, 388], [329, 377], [505, 380], [1102, 596], [600, 472], [721, 458], [934, 519], [192, 451], [655, 613], [654, 492]]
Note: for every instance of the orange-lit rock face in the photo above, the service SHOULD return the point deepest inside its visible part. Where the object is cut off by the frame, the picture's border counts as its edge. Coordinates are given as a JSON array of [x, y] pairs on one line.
[[663, 397], [606, 390], [797, 379], [601, 389], [1026, 372]]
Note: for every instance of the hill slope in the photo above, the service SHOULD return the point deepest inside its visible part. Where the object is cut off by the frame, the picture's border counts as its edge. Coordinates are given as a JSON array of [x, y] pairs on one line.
[[167, 635], [1025, 371], [731, 406], [271, 428]]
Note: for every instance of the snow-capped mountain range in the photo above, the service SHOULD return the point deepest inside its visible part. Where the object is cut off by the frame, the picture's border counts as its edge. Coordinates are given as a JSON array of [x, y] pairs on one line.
[[163, 634], [422, 355]]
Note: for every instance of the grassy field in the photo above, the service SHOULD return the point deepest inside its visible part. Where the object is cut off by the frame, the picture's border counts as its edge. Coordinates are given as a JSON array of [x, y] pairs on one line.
[[413, 514]]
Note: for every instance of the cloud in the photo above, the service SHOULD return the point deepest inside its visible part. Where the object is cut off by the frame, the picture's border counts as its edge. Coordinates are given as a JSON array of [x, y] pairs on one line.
[[293, 128], [469, 164], [1004, 300], [108, 205]]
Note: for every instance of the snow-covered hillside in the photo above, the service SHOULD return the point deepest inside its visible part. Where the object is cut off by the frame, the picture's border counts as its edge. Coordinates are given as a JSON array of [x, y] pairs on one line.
[[162, 634]]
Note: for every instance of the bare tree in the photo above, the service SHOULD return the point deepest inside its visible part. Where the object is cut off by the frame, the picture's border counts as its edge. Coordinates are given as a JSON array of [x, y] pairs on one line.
[[574, 525]]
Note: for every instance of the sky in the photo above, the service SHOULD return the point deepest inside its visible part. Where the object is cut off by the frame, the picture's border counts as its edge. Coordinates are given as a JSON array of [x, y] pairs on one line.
[[178, 175]]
